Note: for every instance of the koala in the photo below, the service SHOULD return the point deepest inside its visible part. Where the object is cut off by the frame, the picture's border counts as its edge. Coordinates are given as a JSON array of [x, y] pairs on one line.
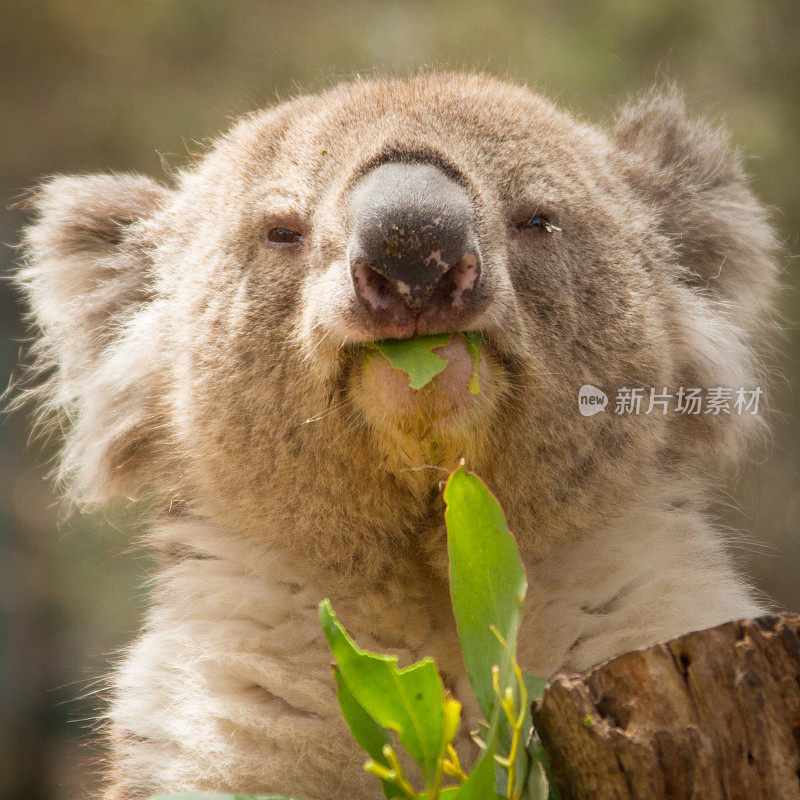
[[205, 346]]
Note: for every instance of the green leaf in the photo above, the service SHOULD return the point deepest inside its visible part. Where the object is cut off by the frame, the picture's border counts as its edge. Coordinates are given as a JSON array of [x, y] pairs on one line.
[[487, 581], [408, 701], [529, 768], [538, 756], [537, 786], [414, 356], [480, 783], [367, 733], [535, 685], [472, 341]]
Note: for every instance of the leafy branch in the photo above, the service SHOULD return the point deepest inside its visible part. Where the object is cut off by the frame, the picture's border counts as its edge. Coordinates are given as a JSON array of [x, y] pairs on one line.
[[487, 586]]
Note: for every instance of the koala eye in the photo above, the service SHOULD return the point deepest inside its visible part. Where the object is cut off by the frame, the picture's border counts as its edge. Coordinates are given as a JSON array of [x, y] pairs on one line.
[[537, 223], [281, 235]]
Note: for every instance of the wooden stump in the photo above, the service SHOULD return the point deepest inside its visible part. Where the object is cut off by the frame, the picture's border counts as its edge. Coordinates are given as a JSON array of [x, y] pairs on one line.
[[713, 715]]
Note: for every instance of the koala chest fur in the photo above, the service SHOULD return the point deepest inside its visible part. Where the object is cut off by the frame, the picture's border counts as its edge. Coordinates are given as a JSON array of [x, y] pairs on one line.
[[210, 343]]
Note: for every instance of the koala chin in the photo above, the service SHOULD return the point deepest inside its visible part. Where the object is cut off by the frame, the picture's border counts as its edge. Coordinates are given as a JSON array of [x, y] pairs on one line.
[[208, 345]]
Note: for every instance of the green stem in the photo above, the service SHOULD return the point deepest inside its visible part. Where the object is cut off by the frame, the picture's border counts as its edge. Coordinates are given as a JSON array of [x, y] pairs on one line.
[[452, 767], [517, 721], [400, 780], [452, 714], [512, 772]]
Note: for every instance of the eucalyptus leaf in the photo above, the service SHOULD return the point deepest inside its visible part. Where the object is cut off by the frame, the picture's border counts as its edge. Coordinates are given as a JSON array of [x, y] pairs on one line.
[[487, 582], [472, 341], [367, 733], [537, 787], [538, 755], [480, 783], [408, 701], [535, 685], [415, 357], [530, 770]]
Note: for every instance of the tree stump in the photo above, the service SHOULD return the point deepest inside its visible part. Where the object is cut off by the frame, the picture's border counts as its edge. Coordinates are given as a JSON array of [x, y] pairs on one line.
[[713, 715]]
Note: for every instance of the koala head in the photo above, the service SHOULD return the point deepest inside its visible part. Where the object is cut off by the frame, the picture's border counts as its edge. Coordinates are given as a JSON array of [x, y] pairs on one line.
[[211, 340]]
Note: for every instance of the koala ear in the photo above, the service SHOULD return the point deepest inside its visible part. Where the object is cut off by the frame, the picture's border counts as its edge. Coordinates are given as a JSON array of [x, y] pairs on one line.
[[85, 264], [688, 171], [87, 276]]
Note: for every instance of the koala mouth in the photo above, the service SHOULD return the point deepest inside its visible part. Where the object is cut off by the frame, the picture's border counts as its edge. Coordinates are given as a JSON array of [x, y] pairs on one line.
[[416, 356], [438, 378]]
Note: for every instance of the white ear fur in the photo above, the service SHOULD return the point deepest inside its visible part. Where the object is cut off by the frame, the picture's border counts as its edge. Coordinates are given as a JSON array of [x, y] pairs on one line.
[[688, 170], [86, 275]]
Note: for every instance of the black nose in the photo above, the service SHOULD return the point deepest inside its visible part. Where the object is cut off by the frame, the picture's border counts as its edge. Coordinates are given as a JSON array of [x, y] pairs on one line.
[[413, 250]]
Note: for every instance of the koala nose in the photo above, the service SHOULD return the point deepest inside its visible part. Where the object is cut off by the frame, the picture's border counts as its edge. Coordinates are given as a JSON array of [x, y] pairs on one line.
[[413, 251]]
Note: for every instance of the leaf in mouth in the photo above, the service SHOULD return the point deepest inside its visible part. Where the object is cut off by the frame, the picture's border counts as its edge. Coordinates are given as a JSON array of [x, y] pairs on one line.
[[472, 342], [415, 356]]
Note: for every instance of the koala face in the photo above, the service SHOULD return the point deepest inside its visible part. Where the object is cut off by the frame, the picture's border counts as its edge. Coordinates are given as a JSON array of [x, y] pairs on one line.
[[213, 340]]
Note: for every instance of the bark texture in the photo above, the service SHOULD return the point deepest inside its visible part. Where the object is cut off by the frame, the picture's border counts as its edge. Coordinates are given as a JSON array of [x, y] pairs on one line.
[[714, 715]]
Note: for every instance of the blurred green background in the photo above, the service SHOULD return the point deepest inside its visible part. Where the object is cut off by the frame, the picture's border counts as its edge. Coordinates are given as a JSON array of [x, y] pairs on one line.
[[89, 85]]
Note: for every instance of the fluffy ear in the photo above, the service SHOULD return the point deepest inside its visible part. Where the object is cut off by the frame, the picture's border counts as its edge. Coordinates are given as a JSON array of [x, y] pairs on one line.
[[689, 172], [87, 277]]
